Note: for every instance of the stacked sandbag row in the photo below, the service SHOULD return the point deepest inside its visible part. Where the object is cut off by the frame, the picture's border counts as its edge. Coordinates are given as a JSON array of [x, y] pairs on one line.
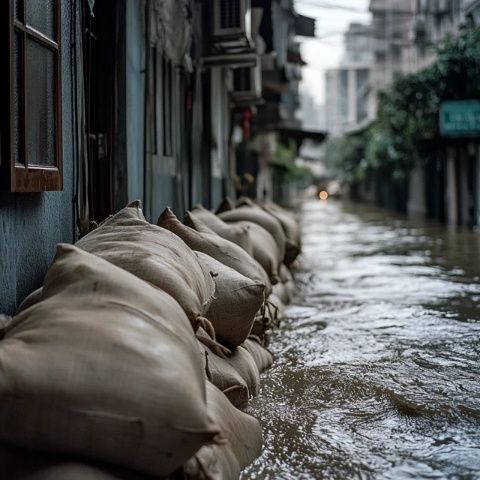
[[144, 341], [269, 244]]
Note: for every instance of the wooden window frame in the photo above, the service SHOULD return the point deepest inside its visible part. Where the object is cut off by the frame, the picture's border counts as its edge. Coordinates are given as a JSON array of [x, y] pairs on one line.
[[26, 177]]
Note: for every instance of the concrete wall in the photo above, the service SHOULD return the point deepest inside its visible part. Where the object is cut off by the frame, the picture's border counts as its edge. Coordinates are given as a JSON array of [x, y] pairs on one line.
[[31, 224]]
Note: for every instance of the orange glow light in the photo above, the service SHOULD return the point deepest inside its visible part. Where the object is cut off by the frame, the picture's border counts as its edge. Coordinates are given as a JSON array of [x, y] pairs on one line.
[[323, 195]]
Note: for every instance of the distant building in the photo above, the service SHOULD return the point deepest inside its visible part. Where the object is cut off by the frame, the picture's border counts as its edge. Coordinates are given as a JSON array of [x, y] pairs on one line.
[[349, 102], [312, 114]]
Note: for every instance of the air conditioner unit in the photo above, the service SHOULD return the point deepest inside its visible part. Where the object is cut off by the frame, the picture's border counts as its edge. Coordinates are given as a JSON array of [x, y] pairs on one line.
[[232, 24], [247, 84]]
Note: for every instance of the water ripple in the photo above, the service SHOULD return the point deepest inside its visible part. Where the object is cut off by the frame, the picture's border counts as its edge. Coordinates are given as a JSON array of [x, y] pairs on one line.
[[377, 372]]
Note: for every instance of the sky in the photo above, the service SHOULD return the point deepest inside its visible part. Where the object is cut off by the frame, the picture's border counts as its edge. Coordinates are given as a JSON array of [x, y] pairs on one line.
[[326, 51]]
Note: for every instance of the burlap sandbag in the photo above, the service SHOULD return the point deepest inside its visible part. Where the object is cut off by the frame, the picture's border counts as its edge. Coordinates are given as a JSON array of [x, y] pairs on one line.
[[262, 330], [23, 464], [245, 365], [237, 300], [216, 247], [283, 292], [288, 281], [267, 319], [265, 250], [105, 367], [30, 300], [290, 227], [285, 274], [225, 377], [226, 204], [262, 357], [276, 307], [243, 442], [200, 217], [260, 217], [155, 255]]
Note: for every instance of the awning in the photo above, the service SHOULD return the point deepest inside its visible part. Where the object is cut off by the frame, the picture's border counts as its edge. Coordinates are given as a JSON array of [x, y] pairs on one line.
[[304, 26]]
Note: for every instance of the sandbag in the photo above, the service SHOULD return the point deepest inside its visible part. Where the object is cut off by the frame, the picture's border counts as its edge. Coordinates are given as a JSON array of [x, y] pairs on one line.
[[237, 300], [260, 217], [265, 250], [153, 254], [283, 292], [30, 300], [201, 219], [225, 205], [225, 377], [245, 365], [105, 367], [286, 218], [286, 278], [243, 442], [262, 357], [285, 274], [291, 229], [23, 464], [266, 319], [216, 247], [276, 307], [262, 330]]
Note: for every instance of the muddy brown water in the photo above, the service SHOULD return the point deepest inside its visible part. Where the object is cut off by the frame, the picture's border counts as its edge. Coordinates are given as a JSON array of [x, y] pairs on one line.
[[377, 372]]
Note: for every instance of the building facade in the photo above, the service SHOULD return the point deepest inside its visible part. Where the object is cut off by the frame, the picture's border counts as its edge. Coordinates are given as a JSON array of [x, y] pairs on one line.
[[109, 101], [350, 103]]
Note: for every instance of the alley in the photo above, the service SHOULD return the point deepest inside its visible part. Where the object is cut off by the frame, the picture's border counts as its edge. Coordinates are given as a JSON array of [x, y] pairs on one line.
[[377, 365]]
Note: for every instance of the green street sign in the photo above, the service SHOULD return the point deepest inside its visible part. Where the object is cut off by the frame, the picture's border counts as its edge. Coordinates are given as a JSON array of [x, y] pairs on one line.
[[460, 118]]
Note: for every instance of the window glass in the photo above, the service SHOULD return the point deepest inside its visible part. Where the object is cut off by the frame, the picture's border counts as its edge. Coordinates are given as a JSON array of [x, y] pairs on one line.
[[40, 15], [40, 78]]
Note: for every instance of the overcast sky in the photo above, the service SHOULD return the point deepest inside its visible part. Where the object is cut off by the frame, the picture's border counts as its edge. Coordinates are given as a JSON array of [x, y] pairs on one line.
[[325, 52]]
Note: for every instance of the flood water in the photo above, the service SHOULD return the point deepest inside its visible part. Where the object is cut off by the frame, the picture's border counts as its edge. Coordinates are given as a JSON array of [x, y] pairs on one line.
[[377, 372]]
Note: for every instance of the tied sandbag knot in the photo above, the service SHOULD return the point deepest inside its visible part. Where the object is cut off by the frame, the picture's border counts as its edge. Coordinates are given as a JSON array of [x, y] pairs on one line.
[[206, 324]]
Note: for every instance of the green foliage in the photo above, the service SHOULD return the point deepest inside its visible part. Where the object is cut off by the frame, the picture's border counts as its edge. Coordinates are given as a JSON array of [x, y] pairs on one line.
[[406, 131], [285, 156], [344, 155]]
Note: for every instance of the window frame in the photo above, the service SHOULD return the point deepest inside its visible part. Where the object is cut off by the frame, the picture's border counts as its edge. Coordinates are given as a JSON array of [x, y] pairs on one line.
[[26, 177]]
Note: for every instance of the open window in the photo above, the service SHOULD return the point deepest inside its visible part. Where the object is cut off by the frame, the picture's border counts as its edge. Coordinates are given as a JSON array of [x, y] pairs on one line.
[[30, 57]]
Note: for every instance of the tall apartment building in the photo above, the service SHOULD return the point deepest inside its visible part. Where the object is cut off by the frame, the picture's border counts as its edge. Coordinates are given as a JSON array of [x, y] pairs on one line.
[[349, 103]]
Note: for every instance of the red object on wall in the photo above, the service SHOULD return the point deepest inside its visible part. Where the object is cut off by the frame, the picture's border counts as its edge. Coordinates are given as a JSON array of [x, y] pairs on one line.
[[247, 116]]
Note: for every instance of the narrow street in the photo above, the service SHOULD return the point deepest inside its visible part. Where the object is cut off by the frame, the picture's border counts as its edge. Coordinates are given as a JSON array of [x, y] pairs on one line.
[[377, 371]]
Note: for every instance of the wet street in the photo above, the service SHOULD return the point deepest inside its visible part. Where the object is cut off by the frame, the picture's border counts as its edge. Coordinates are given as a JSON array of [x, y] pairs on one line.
[[377, 371]]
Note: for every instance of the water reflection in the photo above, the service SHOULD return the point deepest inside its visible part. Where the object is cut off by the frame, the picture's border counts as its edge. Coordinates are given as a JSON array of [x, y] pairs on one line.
[[378, 366]]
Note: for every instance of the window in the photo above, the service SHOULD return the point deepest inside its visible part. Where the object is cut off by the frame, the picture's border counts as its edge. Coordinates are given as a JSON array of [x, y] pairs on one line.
[[31, 159]]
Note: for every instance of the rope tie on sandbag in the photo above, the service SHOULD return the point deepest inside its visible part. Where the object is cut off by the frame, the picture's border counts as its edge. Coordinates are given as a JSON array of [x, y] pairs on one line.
[[206, 324], [214, 346], [275, 311]]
